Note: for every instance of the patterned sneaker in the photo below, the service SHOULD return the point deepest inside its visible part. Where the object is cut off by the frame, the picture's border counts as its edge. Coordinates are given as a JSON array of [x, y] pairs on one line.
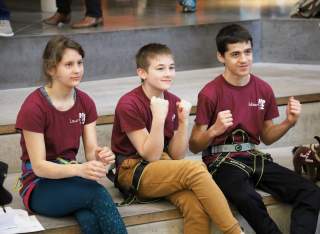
[[5, 29], [188, 6]]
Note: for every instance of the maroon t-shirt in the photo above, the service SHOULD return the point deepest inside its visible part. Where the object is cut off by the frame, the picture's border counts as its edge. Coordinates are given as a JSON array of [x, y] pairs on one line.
[[62, 129], [133, 113], [250, 106]]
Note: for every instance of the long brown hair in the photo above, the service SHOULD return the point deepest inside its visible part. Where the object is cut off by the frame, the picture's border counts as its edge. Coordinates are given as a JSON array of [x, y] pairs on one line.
[[53, 54]]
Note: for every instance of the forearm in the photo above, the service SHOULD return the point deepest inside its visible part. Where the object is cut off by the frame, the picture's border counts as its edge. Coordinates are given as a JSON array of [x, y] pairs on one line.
[[179, 143], [90, 154], [200, 140], [50, 170], [275, 132], [154, 143]]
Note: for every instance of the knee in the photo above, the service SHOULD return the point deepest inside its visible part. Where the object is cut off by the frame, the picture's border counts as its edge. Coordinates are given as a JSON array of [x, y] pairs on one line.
[[196, 166], [245, 200], [101, 192], [190, 206], [313, 198]]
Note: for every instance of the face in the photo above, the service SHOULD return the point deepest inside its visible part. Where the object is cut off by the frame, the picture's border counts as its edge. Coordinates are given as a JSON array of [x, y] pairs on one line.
[[159, 75], [237, 60], [69, 70]]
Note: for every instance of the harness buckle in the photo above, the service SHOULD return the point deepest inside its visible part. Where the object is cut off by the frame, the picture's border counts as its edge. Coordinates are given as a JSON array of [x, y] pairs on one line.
[[238, 147]]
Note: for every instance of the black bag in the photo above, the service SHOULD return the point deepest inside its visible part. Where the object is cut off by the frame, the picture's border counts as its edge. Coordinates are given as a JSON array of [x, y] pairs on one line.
[[306, 9], [5, 196]]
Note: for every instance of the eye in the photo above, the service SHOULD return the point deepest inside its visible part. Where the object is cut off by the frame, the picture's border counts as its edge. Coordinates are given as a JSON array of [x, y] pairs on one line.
[[68, 65], [172, 67], [235, 54], [80, 62], [160, 68], [248, 52]]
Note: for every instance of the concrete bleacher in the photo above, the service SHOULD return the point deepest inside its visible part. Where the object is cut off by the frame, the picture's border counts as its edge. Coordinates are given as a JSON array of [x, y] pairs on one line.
[[290, 44], [162, 217]]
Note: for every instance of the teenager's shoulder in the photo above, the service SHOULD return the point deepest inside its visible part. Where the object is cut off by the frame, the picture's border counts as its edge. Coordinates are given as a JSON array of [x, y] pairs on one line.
[[131, 99], [260, 82], [34, 99], [132, 96], [212, 85], [83, 95], [34, 106]]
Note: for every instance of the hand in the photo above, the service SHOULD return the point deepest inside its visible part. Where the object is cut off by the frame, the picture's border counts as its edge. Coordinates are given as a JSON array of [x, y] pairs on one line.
[[92, 170], [105, 155], [293, 111], [159, 108], [183, 110], [223, 122]]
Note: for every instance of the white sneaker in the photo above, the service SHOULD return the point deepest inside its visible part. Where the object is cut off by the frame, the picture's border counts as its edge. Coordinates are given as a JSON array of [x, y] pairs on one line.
[[5, 29]]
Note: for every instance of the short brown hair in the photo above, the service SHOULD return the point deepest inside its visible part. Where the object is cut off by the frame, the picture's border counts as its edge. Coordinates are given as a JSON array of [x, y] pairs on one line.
[[231, 34], [150, 51], [54, 51]]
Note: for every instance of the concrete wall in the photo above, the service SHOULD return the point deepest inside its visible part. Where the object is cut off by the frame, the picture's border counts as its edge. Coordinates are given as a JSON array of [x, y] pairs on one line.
[[291, 41], [111, 54]]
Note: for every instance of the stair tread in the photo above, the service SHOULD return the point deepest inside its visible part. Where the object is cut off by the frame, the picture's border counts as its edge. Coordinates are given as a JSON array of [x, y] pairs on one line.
[[303, 79]]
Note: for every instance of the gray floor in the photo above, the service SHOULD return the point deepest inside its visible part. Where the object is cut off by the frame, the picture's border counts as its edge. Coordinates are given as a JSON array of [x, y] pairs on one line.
[[128, 14]]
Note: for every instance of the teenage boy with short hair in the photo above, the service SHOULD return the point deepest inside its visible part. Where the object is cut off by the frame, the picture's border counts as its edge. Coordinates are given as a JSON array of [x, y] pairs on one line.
[[235, 112], [150, 135]]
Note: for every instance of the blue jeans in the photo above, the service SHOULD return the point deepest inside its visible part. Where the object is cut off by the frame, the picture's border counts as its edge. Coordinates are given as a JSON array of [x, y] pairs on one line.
[[93, 7], [4, 12], [87, 200], [189, 3]]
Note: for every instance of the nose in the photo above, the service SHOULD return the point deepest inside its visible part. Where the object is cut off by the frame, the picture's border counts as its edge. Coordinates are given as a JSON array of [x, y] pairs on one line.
[[243, 58], [169, 72], [77, 68]]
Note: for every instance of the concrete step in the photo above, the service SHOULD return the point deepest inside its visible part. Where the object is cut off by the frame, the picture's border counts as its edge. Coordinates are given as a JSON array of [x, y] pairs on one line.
[[159, 217], [110, 53]]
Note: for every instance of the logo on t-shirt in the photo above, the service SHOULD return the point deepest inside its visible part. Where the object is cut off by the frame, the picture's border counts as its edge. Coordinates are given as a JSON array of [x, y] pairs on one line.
[[82, 118], [173, 117], [259, 104]]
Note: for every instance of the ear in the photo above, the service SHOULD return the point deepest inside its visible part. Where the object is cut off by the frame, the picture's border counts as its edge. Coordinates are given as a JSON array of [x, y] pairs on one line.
[[220, 57], [51, 71], [142, 73]]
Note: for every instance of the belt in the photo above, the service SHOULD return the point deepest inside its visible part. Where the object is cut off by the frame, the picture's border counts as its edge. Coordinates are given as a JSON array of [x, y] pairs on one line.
[[232, 148]]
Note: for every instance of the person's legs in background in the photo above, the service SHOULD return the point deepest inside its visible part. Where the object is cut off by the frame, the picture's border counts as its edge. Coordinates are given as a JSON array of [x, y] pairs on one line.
[[5, 26], [93, 16], [62, 15], [188, 6]]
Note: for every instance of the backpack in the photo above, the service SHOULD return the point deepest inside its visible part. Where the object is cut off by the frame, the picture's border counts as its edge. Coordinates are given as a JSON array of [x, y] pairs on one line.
[[306, 9]]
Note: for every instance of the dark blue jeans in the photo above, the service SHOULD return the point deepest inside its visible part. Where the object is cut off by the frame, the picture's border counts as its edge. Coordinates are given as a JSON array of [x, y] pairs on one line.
[[87, 200], [4, 12], [93, 7]]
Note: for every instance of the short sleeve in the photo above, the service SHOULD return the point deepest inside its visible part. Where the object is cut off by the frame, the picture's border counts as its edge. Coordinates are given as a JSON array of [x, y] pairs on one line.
[[130, 119], [205, 108], [271, 107], [91, 110], [31, 117]]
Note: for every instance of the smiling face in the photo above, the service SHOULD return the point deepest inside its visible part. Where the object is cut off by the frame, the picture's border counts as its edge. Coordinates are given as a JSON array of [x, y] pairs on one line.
[[159, 75], [237, 60], [69, 71]]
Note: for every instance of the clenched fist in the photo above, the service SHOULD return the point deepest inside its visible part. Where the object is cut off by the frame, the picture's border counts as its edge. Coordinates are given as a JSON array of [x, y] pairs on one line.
[[223, 122], [183, 109], [159, 108]]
